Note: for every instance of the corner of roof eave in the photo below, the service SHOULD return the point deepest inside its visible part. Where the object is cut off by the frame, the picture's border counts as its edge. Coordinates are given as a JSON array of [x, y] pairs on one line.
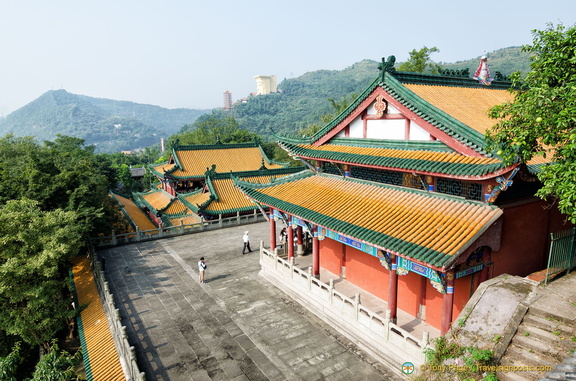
[[448, 264]]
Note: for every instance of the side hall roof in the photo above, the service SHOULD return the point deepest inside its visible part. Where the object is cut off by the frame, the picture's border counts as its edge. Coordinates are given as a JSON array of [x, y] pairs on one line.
[[192, 161], [456, 105], [430, 228], [422, 161]]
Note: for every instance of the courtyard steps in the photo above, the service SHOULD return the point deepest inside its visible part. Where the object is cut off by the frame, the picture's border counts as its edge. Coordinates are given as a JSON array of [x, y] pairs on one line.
[[545, 337]]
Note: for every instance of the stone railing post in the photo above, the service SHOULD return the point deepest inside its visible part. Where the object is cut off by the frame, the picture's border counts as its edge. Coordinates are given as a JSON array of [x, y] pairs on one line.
[[356, 305], [114, 242], [310, 278], [387, 325], [220, 220], [138, 236], [238, 218], [425, 339], [291, 262], [331, 289]]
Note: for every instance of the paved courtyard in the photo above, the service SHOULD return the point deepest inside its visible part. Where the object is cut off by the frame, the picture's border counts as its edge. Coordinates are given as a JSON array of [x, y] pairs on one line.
[[236, 326]]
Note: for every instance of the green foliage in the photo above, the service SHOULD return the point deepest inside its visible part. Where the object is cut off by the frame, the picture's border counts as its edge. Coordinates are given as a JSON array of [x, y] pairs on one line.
[[420, 62], [337, 108], [34, 249], [56, 365], [209, 129], [9, 364], [505, 61], [442, 350], [540, 121]]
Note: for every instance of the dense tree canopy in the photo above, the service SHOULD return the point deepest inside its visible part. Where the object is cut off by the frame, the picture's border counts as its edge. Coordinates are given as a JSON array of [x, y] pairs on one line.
[[420, 62], [541, 121]]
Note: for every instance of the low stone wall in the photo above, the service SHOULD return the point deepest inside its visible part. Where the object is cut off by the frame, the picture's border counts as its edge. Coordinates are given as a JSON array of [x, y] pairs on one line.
[[125, 351], [383, 339], [173, 231]]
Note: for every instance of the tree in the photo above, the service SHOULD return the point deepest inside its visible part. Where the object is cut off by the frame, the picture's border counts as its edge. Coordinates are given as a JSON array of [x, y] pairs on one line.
[[541, 121], [420, 62], [56, 365], [210, 128], [337, 108], [35, 247]]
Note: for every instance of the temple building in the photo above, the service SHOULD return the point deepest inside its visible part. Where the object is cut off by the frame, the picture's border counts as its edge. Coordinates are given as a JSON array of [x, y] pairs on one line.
[[196, 185], [402, 199]]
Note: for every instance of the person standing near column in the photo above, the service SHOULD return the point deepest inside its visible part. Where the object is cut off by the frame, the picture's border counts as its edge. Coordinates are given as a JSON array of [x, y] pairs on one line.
[[201, 270], [246, 239]]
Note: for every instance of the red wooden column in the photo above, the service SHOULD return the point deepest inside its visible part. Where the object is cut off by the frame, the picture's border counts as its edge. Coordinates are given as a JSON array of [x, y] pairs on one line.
[[290, 239], [299, 241], [316, 254], [393, 289], [447, 303], [272, 231]]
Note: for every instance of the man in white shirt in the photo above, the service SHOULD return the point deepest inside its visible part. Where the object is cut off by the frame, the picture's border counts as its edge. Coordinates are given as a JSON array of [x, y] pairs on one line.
[[246, 243], [201, 270]]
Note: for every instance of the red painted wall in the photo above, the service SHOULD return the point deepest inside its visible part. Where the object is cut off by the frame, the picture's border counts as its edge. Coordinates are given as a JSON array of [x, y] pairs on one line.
[[461, 295], [365, 271], [331, 255], [433, 306], [525, 238], [409, 293]]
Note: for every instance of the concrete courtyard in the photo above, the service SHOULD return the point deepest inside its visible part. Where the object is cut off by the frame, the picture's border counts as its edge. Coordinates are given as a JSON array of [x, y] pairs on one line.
[[236, 326]]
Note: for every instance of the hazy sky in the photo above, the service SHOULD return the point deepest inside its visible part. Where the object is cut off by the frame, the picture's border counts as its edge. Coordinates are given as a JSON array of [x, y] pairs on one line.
[[187, 53]]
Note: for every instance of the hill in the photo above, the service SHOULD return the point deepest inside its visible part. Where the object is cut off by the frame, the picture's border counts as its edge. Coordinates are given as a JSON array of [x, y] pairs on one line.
[[302, 101], [113, 126], [110, 125]]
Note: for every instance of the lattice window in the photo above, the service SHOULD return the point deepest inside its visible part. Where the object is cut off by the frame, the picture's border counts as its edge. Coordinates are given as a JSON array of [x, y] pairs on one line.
[[471, 191], [388, 177], [331, 168]]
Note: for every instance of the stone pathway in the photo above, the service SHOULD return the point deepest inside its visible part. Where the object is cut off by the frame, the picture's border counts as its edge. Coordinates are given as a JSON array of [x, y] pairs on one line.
[[234, 327]]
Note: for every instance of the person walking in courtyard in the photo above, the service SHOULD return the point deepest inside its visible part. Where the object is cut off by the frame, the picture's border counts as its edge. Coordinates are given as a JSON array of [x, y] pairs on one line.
[[246, 243], [201, 270]]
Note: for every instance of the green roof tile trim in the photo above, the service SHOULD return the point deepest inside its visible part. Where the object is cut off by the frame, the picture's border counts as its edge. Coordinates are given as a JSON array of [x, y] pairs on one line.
[[417, 165], [447, 80], [203, 147], [404, 248], [324, 130], [433, 115], [138, 198], [211, 188], [392, 83], [411, 145], [189, 205], [85, 354]]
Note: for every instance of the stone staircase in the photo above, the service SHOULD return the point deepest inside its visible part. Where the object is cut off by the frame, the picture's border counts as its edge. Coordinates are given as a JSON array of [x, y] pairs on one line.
[[546, 335]]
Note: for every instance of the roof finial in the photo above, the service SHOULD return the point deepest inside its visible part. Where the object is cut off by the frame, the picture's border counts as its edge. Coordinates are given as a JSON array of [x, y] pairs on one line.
[[387, 66], [482, 74]]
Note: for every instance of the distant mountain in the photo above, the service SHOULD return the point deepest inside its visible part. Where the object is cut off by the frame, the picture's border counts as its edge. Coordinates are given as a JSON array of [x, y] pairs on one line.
[[110, 125], [302, 101], [506, 61]]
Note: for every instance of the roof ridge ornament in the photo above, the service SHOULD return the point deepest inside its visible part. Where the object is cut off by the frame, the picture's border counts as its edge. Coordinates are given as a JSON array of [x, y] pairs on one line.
[[482, 74], [387, 66]]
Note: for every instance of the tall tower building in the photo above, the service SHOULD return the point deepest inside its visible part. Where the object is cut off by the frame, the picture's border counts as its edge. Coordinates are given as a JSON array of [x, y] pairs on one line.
[[227, 100], [265, 84]]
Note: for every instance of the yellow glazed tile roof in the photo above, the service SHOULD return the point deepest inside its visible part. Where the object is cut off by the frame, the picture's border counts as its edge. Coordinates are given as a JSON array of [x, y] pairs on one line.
[[157, 199], [175, 207], [196, 162], [197, 198], [135, 213], [425, 226], [185, 220], [101, 360], [230, 197], [468, 105]]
